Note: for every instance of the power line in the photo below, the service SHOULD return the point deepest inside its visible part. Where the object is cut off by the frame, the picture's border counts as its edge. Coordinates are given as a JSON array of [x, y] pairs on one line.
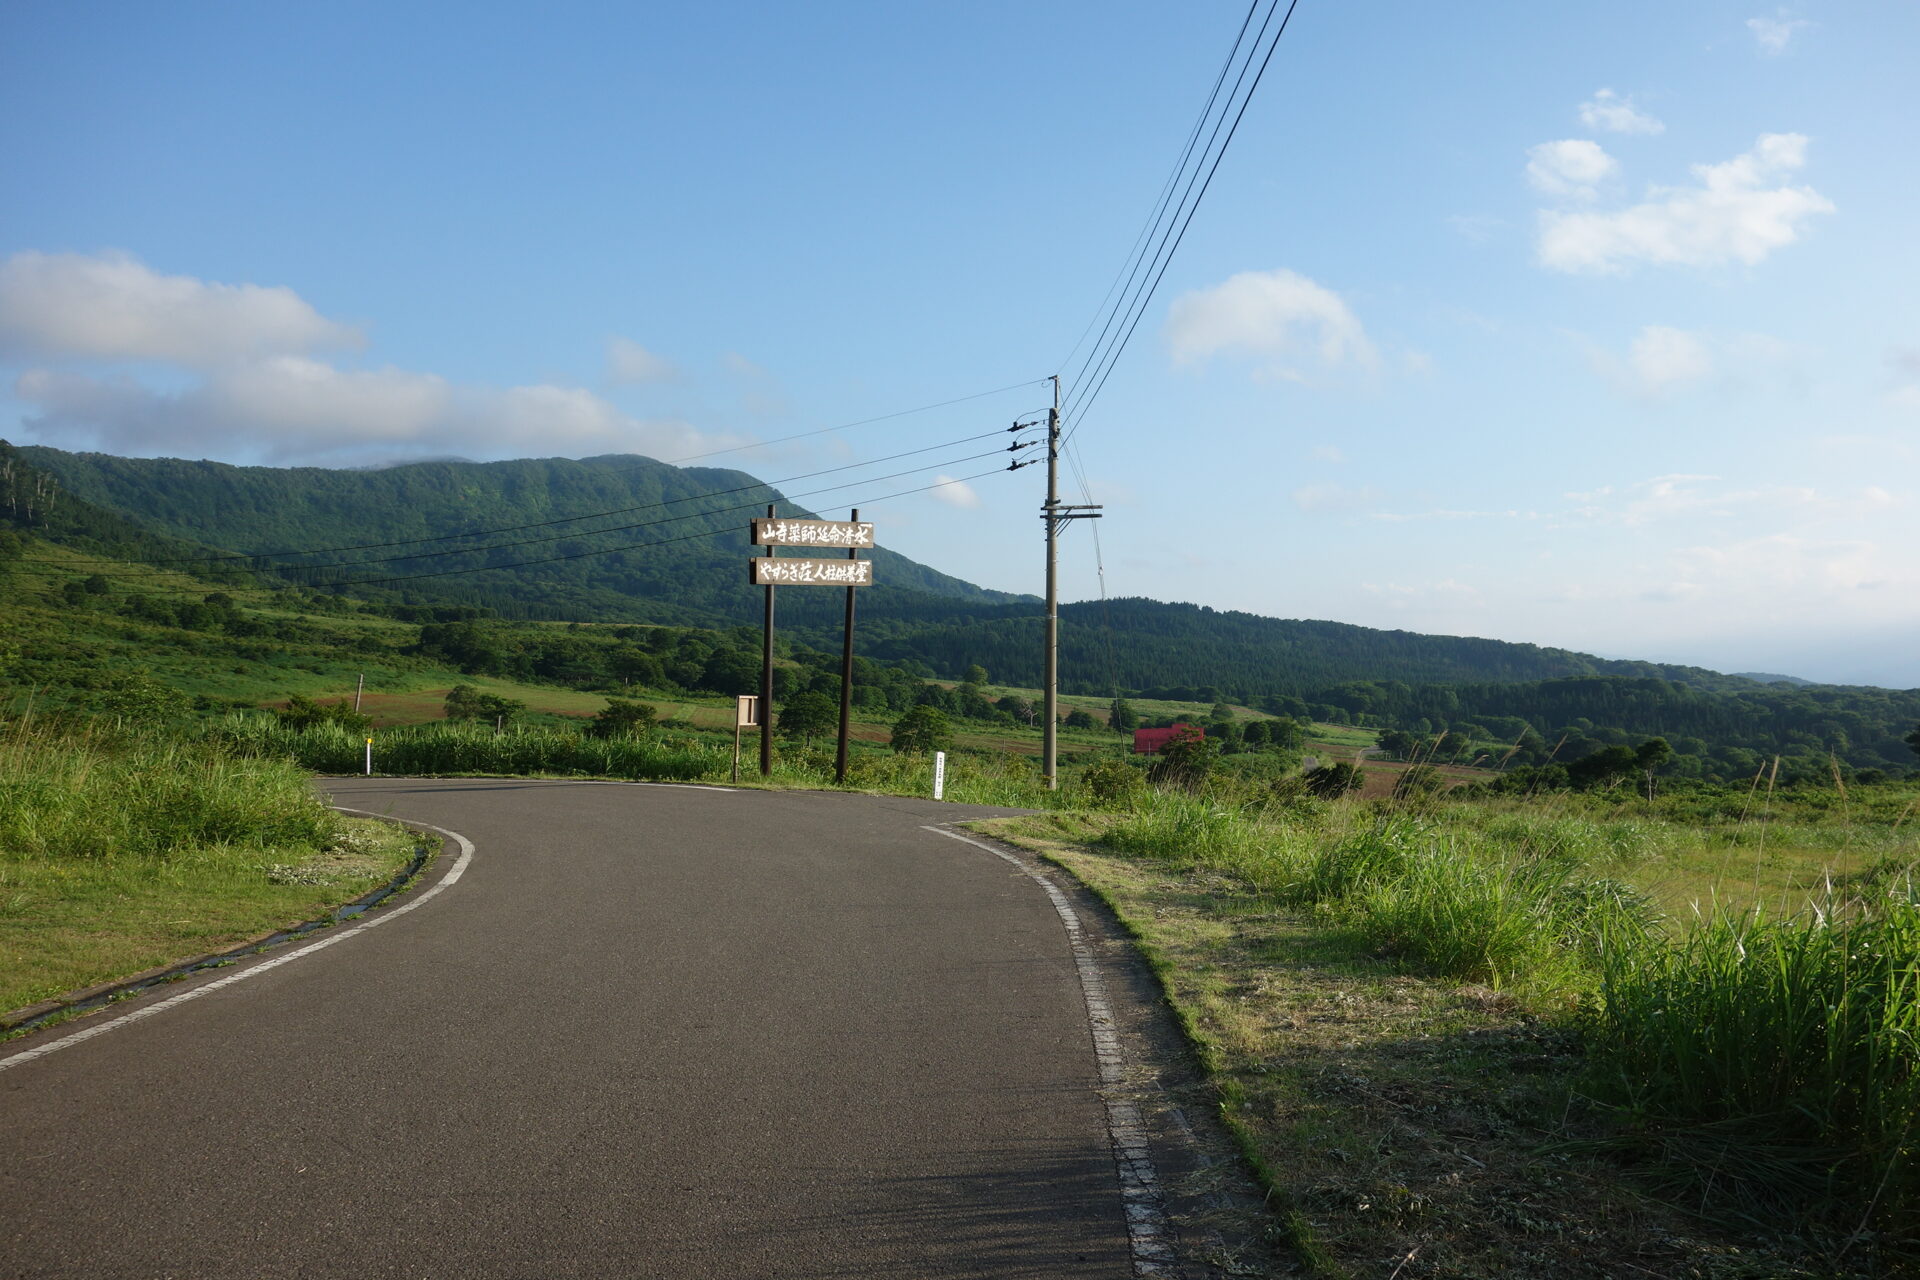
[[1134, 256], [885, 417], [1081, 406], [1080, 409]]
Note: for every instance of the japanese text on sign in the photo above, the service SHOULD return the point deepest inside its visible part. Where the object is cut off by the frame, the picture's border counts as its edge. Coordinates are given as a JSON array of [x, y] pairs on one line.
[[770, 572], [813, 533]]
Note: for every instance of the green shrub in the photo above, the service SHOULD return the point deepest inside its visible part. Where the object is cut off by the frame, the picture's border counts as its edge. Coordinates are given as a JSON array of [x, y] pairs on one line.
[[1111, 784]]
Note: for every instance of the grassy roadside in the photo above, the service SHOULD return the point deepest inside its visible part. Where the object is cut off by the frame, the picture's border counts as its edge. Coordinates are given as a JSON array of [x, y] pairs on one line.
[[1418, 1125], [123, 852]]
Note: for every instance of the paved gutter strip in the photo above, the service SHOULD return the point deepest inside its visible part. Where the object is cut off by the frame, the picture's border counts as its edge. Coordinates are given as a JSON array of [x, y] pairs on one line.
[[1149, 1235], [147, 1011]]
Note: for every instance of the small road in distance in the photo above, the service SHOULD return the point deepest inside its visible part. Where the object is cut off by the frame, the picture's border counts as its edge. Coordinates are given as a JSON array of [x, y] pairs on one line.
[[651, 1032]]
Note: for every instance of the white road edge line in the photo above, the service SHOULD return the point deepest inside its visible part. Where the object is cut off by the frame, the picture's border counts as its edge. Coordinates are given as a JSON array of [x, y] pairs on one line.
[[372, 920], [1148, 1236]]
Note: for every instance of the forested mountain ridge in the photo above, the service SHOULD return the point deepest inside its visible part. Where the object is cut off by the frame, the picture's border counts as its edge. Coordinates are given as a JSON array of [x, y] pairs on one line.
[[1138, 643], [673, 549], [600, 570]]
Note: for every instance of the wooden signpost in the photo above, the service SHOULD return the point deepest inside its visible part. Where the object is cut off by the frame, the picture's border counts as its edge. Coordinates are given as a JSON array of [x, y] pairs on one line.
[[745, 709], [772, 570]]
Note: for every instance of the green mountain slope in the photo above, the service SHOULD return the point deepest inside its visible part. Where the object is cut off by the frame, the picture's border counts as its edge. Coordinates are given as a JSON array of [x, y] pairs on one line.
[[685, 567], [675, 551]]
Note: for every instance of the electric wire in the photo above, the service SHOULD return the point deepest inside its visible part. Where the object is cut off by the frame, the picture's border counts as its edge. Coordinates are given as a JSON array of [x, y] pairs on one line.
[[1130, 267], [1080, 407]]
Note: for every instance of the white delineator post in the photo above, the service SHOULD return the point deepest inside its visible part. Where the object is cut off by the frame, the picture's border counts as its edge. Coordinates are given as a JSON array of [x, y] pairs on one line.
[[369, 757], [939, 774]]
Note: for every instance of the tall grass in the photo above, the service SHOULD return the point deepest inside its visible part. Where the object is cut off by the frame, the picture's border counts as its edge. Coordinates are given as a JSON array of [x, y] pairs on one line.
[[453, 747], [1775, 1058], [103, 793], [458, 747], [1778, 1057]]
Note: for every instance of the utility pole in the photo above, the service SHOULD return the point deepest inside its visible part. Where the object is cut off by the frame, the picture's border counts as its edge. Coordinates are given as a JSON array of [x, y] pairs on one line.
[[766, 676], [1055, 514], [846, 672]]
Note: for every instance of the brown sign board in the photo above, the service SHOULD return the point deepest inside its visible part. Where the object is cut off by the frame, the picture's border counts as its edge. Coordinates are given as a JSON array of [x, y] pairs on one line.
[[813, 533], [746, 710], [792, 571]]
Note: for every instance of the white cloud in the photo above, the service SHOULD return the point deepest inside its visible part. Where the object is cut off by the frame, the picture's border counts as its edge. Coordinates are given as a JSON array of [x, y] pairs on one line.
[[288, 409], [1661, 359], [1328, 453], [1732, 215], [1572, 168], [955, 493], [1669, 499], [1612, 113], [1334, 498], [1275, 316], [1477, 227], [628, 362], [1774, 34], [111, 306]]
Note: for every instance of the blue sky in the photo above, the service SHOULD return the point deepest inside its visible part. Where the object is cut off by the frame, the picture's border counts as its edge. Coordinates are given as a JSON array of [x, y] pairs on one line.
[[1592, 326]]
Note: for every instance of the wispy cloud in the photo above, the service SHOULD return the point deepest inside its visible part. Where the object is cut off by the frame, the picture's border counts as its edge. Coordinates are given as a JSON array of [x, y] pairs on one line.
[[1334, 498], [1572, 168], [1733, 214], [955, 493], [1281, 318], [112, 306], [254, 388], [629, 363], [1613, 113], [293, 409], [1774, 34]]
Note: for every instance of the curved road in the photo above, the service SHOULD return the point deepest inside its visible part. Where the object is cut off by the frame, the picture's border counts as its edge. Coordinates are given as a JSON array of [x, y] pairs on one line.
[[651, 1032]]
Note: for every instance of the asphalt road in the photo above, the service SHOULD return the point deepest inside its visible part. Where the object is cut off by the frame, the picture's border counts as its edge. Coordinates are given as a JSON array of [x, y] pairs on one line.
[[651, 1032]]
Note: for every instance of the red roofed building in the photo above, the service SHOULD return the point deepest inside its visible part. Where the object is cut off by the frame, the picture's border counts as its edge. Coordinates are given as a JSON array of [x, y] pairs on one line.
[[1148, 741]]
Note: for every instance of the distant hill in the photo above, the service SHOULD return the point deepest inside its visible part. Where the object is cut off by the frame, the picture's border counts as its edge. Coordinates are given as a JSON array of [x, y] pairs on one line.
[[1762, 677], [670, 549], [674, 549], [1138, 643]]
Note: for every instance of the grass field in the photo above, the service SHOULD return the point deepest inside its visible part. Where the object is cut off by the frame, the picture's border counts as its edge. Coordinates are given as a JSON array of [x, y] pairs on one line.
[[123, 853], [1523, 1038]]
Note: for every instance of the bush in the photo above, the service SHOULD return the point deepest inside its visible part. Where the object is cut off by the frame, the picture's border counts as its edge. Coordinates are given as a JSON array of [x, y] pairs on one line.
[[302, 712], [1112, 784], [622, 719], [1331, 781], [1185, 761], [465, 702], [922, 731]]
